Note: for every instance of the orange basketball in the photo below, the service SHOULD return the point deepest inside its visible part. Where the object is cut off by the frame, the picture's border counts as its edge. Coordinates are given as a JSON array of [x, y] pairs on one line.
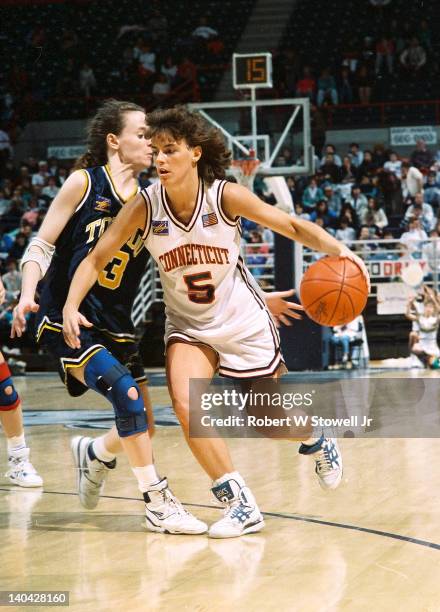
[[333, 291]]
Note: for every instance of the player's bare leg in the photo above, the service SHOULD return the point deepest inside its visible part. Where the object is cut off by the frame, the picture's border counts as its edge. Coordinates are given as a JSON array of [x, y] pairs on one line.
[[241, 513]]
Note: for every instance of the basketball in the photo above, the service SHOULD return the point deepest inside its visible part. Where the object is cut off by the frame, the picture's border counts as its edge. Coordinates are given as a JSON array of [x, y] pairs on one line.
[[333, 291]]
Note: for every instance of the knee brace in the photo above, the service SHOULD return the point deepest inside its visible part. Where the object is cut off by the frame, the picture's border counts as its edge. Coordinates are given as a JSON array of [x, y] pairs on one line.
[[9, 399], [107, 376]]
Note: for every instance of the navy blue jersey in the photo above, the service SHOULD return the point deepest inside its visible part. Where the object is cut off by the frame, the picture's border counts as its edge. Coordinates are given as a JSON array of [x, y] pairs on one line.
[[108, 304]]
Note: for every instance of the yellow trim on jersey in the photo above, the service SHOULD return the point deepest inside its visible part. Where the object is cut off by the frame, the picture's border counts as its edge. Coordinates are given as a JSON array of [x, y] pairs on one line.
[[47, 324], [86, 187], [117, 337], [109, 174]]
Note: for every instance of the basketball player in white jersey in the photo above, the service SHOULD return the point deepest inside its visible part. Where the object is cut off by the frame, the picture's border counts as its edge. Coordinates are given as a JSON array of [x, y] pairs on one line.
[[216, 316]]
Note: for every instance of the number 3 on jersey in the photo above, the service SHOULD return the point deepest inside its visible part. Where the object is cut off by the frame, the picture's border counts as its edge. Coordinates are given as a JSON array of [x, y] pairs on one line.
[[198, 293], [111, 278]]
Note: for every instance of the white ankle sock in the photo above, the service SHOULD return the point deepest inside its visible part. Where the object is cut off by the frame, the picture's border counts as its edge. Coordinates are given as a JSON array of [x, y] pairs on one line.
[[227, 476], [100, 450], [146, 476], [16, 443]]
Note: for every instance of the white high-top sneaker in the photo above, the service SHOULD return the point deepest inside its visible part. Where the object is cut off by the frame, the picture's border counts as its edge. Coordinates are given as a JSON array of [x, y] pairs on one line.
[[91, 474], [241, 513], [21, 471], [328, 460], [164, 513]]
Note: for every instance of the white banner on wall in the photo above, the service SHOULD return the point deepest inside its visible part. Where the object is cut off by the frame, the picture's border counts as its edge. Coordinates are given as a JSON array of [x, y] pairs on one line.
[[407, 136], [392, 298], [71, 152]]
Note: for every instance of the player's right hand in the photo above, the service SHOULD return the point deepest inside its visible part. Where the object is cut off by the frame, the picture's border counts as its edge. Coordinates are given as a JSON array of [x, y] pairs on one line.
[[72, 320], [24, 307]]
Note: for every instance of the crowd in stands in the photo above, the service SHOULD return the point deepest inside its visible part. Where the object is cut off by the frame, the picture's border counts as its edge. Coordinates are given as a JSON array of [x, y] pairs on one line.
[[403, 51], [370, 195]]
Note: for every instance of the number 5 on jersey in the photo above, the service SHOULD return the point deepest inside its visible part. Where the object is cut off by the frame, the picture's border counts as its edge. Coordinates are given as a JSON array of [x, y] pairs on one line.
[[200, 293]]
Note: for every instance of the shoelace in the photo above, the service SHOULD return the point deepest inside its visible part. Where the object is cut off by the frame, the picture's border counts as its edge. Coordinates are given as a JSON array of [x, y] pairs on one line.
[[23, 466], [323, 461], [169, 499]]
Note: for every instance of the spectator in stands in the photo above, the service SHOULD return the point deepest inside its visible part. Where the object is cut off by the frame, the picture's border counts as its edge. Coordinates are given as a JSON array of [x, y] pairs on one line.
[[20, 243], [394, 164], [169, 69], [147, 61], [364, 84], [350, 55], [6, 149], [431, 194], [333, 199], [322, 211], [373, 215], [411, 176], [158, 27], [379, 155], [203, 30], [62, 176], [413, 57], [10, 220], [384, 54], [299, 212], [342, 336], [421, 157], [348, 171], [312, 194], [345, 87], [349, 213], [345, 232], [161, 88], [186, 71], [41, 177], [257, 254], [87, 80], [355, 154], [357, 200], [368, 165], [414, 238], [422, 211], [306, 86], [12, 279], [369, 242], [327, 88], [51, 189], [331, 149], [330, 169], [31, 214], [368, 187]]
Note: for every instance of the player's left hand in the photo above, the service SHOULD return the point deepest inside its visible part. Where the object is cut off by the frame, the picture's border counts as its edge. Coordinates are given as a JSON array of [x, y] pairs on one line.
[[282, 310], [346, 252]]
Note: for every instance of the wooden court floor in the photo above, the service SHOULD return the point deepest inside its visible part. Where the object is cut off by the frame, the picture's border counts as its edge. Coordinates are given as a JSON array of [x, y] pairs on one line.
[[373, 544]]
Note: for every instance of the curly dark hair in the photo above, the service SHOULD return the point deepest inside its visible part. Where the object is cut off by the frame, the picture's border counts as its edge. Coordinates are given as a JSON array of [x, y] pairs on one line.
[[109, 119], [182, 123]]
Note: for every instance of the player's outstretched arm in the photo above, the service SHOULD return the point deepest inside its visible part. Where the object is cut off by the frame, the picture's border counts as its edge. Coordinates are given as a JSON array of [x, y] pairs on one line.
[[131, 218], [240, 202], [36, 258]]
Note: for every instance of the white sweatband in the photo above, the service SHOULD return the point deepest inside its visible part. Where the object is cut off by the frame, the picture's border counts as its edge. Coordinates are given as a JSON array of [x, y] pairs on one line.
[[41, 252]]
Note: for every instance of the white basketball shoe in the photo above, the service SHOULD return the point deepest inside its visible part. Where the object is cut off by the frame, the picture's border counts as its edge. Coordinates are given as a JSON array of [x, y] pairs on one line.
[[241, 513], [164, 513], [91, 473], [21, 472], [328, 460]]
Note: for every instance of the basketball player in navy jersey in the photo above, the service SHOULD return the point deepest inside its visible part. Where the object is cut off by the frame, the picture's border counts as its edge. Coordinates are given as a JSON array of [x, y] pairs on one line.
[[216, 315]]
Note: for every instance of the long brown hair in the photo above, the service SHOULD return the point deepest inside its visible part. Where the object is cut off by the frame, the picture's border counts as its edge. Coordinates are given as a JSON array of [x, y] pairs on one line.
[[182, 123], [109, 119]]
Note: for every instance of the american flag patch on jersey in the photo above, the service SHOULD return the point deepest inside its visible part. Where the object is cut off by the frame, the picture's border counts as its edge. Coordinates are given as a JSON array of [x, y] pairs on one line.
[[160, 228], [209, 219]]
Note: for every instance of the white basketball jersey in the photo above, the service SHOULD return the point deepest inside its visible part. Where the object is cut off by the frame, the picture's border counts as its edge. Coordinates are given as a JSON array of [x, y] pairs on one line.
[[206, 285]]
